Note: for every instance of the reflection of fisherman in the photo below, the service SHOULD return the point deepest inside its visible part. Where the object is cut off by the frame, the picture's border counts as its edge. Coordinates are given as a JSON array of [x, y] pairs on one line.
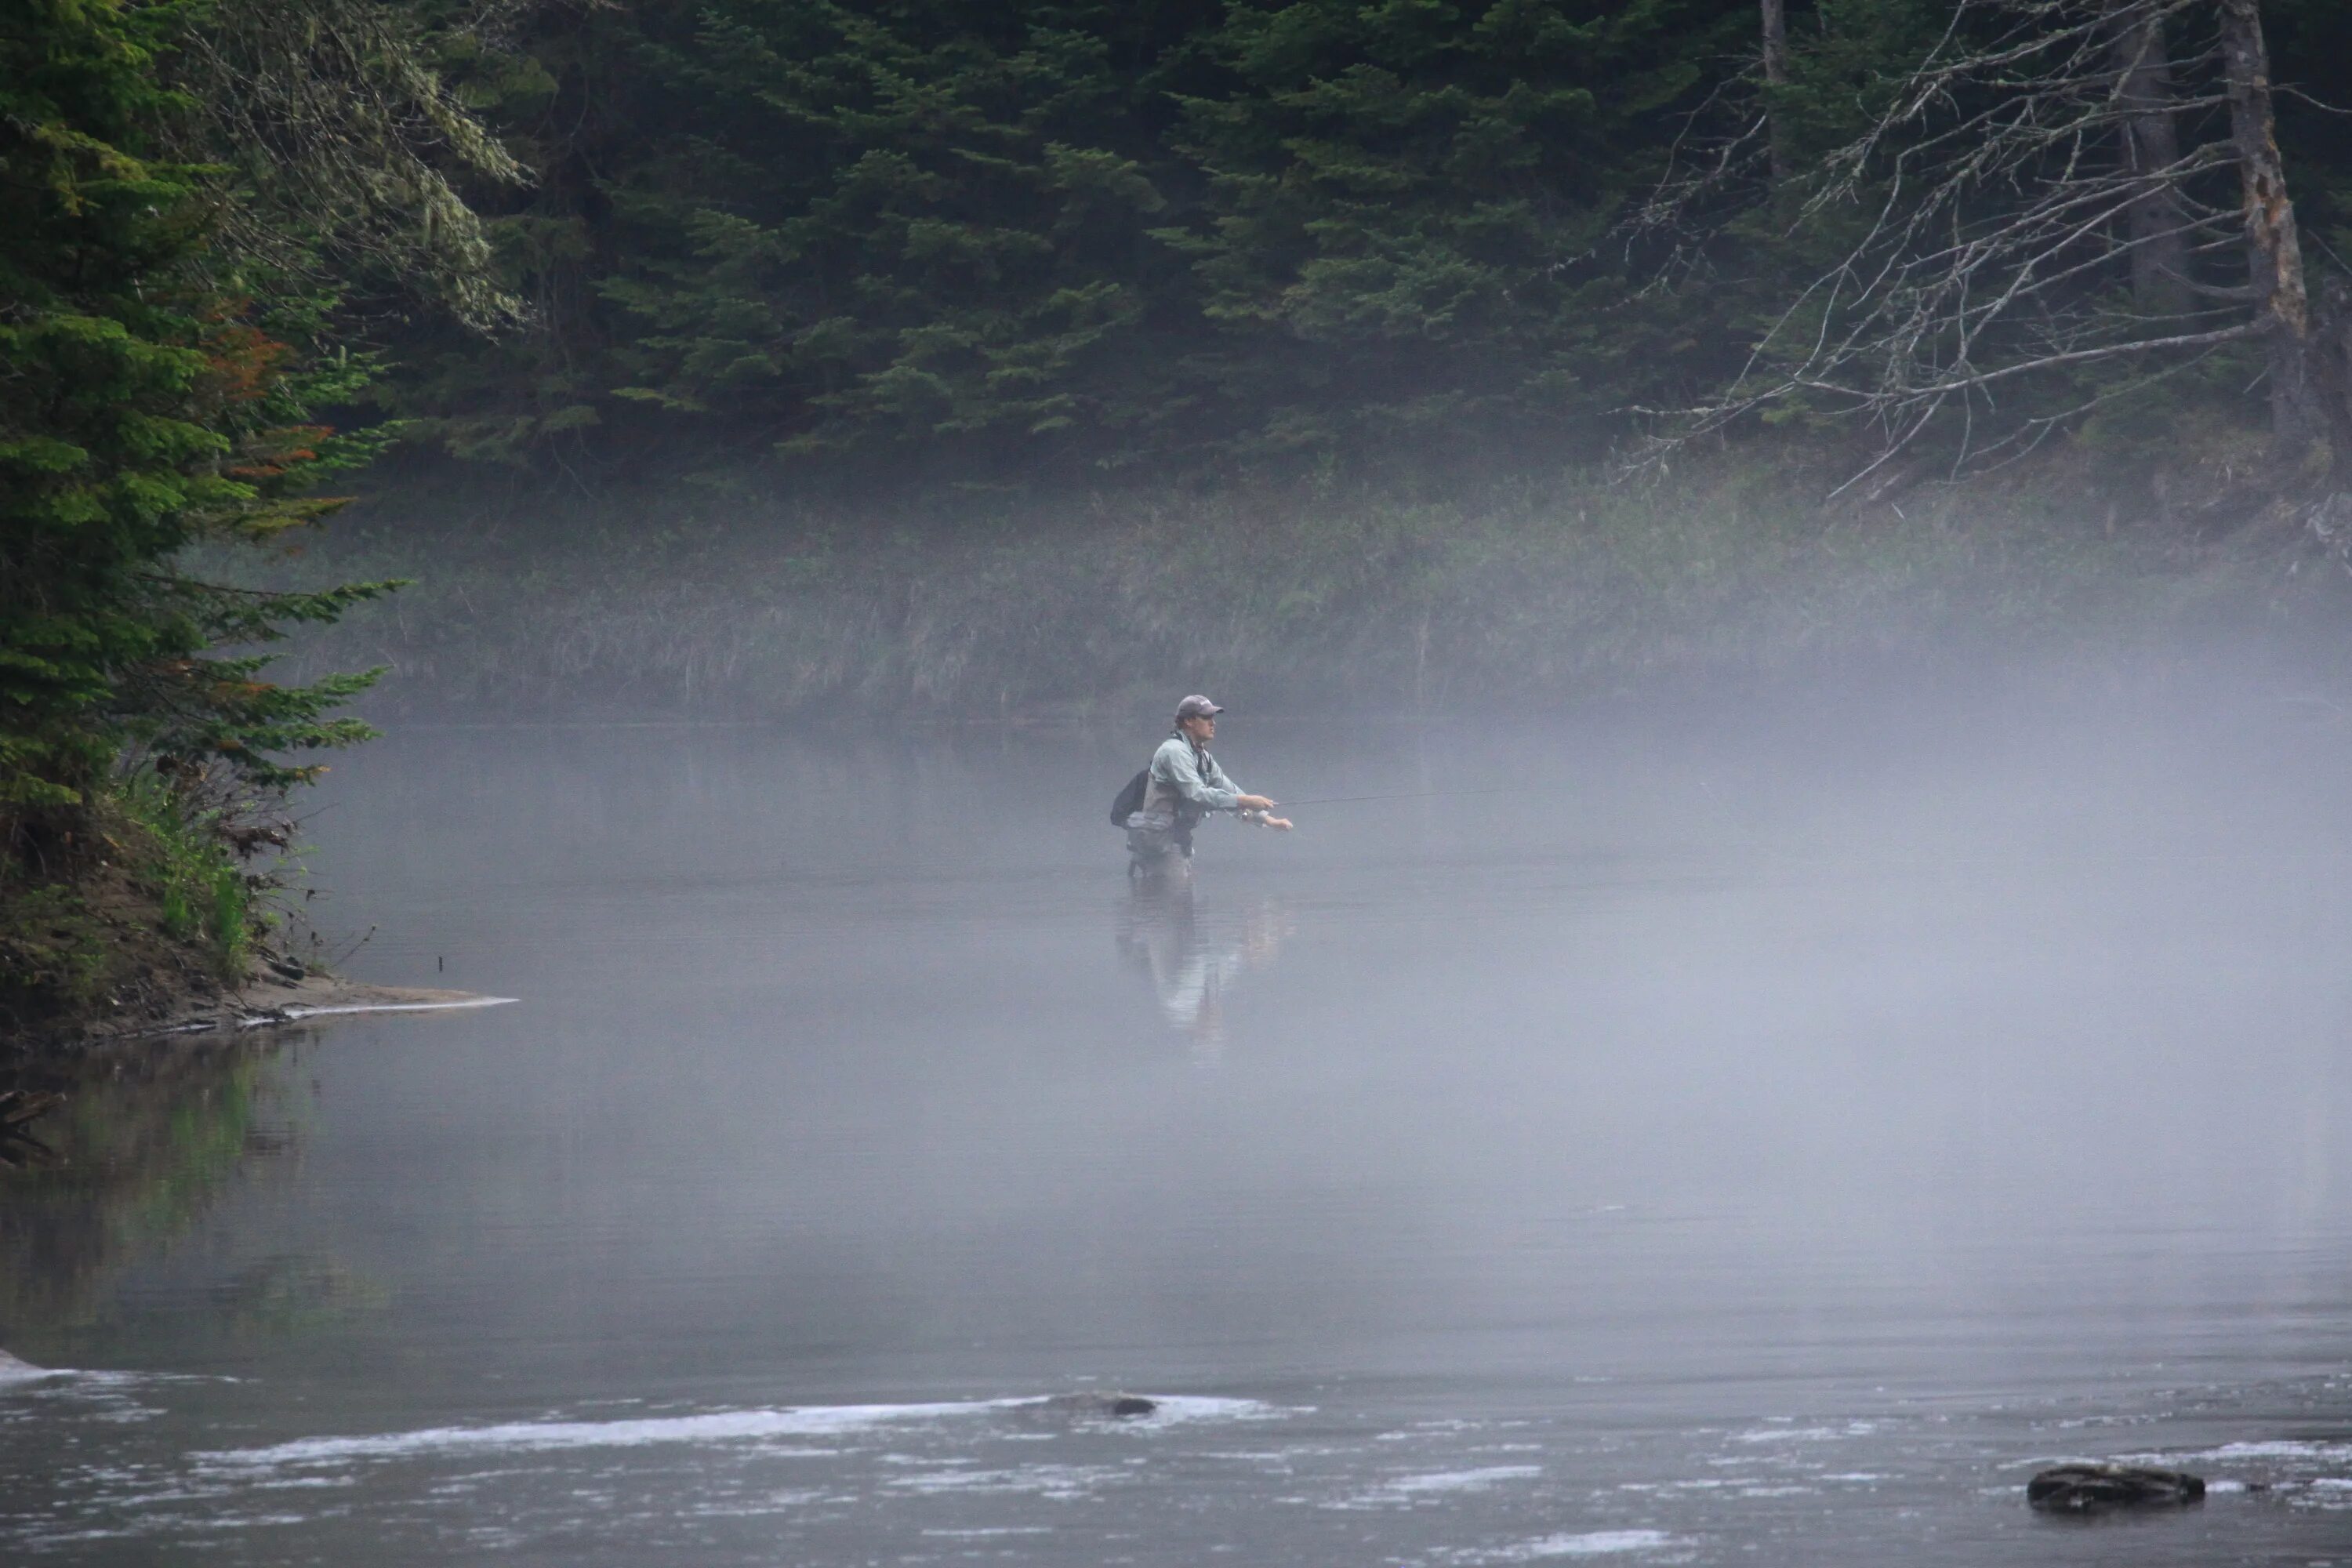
[[1192, 963], [1183, 785]]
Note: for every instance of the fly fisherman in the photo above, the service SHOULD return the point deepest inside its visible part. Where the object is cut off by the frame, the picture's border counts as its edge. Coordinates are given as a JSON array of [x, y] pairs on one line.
[[1183, 785]]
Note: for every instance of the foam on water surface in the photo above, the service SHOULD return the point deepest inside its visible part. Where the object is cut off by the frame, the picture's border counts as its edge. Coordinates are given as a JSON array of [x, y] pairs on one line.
[[2284, 1448], [1405, 1491], [805, 1421], [1465, 1481], [1059, 1482], [1591, 1544], [532, 1436], [1173, 1409]]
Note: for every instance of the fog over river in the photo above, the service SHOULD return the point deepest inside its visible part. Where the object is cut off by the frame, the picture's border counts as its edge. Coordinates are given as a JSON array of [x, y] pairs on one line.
[[1732, 1139]]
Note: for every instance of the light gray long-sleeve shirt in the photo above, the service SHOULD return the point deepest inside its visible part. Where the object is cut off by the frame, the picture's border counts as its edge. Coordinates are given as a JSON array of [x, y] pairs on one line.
[[1178, 769]]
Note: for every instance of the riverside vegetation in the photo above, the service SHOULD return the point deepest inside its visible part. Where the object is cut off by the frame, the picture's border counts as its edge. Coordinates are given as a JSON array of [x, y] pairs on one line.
[[767, 356], [1533, 591]]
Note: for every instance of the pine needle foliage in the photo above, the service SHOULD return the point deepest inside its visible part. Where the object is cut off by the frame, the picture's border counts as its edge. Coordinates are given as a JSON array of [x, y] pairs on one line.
[[1028, 241], [921, 221], [172, 260], [147, 408], [1407, 196], [1055, 236]]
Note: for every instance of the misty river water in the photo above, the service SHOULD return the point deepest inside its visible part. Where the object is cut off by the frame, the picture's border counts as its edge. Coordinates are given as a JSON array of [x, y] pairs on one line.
[[1721, 1141]]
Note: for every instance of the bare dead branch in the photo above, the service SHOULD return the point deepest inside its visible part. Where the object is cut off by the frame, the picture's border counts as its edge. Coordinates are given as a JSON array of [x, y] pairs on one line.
[[2045, 189]]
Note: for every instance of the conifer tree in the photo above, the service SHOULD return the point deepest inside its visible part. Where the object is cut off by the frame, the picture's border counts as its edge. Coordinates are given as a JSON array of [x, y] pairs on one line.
[[159, 392], [1401, 194], [147, 406], [924, 221]]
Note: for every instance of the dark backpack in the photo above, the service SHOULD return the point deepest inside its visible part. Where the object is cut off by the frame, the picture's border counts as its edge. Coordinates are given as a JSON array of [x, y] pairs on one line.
[[1130, 799]]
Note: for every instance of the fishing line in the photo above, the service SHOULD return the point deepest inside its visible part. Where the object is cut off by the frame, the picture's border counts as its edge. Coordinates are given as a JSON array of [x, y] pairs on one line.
[[1422, 794]]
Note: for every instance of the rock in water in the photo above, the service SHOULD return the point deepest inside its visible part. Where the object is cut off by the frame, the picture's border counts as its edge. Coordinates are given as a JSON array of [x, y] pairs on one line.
[[2086, 1489], [15, 1371], [1099, 1406]]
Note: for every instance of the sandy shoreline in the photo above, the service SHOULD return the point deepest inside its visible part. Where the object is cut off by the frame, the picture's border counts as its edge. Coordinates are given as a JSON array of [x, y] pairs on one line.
[[269, 1001], [323, 996]]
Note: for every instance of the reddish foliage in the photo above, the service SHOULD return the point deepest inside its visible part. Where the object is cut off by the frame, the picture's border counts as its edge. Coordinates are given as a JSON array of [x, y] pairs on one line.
[[272, 452], [246, 360]]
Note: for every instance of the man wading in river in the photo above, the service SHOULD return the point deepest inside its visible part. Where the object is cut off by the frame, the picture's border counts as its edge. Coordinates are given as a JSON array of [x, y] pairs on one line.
[[1183, 785]]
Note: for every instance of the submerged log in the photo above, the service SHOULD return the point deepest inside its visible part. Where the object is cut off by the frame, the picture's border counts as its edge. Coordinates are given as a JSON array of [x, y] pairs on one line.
[[19, 1109], [2086, 1488], [21, 1106]]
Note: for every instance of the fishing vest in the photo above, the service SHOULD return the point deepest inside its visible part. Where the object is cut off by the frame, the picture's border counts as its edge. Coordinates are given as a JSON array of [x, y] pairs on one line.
[[1162, 798]]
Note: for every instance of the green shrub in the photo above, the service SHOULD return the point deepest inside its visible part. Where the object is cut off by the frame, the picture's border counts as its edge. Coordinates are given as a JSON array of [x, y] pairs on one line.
[[54, 957], [202, 893]]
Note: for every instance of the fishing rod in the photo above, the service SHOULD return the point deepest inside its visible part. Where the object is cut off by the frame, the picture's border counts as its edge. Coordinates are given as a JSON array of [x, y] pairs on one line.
[[1412, 795], [1449, 794], [1714, 799]]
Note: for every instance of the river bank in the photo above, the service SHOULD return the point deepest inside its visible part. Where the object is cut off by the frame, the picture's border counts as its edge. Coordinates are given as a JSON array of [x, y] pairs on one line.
[[270, 999], [171, 916], [739, 598], [263, 999]]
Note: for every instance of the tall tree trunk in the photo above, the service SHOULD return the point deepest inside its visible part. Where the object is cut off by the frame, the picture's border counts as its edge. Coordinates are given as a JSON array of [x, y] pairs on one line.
[[2160, 228], [1776, 76], [2300, 413]]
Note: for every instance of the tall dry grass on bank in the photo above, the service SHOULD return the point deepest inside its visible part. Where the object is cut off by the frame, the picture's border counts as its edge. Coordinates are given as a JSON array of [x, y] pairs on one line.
[[691, 601]]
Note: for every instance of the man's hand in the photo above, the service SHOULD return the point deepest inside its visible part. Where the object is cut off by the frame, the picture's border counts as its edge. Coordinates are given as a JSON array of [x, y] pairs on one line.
[[1253, 802], [1279, 823]]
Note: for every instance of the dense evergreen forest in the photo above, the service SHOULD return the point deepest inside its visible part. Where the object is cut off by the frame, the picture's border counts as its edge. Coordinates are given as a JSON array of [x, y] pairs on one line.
[[1016, 241], [914, 354]]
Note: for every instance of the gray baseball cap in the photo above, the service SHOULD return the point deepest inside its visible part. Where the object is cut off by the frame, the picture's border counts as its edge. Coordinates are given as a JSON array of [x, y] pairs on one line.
[[1197, 706]]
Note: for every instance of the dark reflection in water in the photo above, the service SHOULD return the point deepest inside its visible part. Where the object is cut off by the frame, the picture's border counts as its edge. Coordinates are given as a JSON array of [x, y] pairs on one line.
[[141, 1144]]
